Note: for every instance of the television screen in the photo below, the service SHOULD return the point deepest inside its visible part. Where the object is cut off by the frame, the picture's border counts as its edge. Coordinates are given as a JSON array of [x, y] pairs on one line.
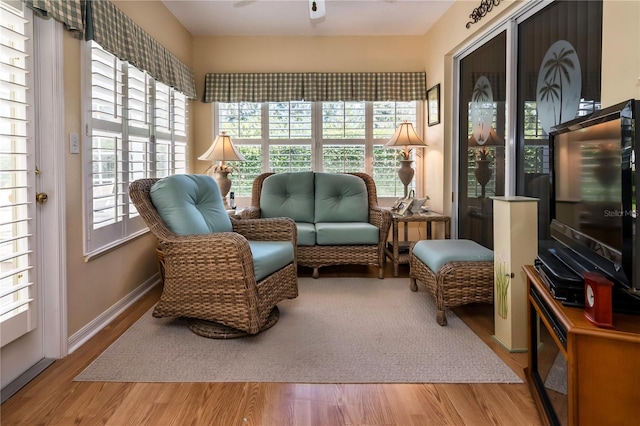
[[588, 190], [594, 191]]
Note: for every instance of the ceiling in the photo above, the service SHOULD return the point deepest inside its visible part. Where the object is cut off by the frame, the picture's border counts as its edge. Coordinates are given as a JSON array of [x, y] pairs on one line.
[[291, 17]]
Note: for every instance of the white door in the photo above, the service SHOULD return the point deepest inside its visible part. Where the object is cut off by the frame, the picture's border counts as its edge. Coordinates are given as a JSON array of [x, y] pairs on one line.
[[25, 223]]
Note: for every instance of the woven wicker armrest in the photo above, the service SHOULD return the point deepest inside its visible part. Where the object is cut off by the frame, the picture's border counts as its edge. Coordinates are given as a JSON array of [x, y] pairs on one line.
[[272, 229], [250, 213], [380, 217], [207, 253]]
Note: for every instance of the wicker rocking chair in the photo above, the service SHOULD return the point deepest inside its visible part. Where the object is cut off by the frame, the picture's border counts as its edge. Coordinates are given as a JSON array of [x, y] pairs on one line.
[[210, 278]]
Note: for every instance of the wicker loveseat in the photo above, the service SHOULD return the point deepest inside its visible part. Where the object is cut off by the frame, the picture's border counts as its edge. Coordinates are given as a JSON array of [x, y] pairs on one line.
[[337, 216]]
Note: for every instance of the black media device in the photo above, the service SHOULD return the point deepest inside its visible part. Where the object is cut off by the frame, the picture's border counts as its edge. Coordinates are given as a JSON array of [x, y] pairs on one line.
[[593, 206]]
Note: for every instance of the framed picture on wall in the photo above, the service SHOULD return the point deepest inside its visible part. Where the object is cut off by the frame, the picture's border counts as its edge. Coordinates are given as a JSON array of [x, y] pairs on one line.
[[433, 105]]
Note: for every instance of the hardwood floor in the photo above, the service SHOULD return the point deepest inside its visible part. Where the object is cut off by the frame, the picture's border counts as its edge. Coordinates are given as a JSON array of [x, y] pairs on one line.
[[53, 398]]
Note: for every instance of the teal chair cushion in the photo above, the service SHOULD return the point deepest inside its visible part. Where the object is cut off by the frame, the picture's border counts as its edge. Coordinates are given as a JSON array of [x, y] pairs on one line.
[[436, 253], [288, 195], [340, 198], [346, 233], [270, 256], [306, 234], [190, 204]]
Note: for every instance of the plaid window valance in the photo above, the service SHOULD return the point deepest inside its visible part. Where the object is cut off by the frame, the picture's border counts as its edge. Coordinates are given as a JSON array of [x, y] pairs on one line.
[[278, 87], [118, 34], [69, 12]]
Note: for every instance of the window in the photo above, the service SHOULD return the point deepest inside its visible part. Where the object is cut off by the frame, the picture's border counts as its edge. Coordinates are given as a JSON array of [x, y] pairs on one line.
[[536, 145], [136, 128], [17, 211], [320, 136]]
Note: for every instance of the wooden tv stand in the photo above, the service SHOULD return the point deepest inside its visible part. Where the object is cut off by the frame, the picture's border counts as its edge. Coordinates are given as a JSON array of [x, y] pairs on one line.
[[603, 366]]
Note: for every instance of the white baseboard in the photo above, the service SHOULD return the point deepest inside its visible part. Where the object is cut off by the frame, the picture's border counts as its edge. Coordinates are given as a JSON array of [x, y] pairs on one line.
[[88, 331]]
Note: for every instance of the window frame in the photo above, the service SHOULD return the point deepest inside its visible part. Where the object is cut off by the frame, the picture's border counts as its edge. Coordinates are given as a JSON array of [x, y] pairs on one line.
[[317, 144], [127, 224]]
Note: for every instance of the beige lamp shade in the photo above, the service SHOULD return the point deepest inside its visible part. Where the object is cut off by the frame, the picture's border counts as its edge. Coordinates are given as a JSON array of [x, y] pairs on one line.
[[222, 149], [405, 136], [493, 140]]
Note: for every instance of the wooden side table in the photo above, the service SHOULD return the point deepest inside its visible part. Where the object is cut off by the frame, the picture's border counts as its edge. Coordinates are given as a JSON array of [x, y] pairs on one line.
[[398, 251]]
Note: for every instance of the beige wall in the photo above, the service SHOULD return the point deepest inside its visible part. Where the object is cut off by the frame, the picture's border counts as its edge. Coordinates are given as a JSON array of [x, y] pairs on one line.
[[620, 51], [95, 286], [294, 54]]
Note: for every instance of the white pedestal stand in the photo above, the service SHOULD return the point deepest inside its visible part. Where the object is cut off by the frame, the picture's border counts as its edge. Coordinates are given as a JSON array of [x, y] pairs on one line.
[[515, 238]]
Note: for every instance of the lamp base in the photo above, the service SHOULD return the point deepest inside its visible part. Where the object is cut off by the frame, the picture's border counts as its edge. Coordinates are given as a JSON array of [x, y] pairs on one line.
[[405, 173], [483, 174], [224, 183]]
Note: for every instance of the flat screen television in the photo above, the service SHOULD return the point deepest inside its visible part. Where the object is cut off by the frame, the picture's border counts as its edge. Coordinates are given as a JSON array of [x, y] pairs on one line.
[[594, 189]]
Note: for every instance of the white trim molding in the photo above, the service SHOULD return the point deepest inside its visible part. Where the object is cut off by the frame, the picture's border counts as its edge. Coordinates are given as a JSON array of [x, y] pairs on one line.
[[52, 272], [101, 321]]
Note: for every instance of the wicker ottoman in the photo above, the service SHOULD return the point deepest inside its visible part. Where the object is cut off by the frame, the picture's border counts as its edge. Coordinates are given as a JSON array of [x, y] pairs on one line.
[[464, 272]]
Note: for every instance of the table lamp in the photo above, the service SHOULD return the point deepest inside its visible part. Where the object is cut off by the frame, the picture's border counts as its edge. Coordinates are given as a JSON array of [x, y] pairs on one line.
[[405, 136], [222, 150], [482, 171]]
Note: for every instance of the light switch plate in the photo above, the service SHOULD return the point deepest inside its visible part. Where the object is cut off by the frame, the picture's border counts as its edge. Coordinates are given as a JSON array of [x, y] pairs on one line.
[[74, 144]]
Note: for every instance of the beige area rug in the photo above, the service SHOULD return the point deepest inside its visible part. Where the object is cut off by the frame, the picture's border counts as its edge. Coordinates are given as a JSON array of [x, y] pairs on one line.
[[338, 330]]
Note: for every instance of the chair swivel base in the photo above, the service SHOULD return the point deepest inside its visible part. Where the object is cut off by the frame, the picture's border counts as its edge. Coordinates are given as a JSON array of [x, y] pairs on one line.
[[214, 330]]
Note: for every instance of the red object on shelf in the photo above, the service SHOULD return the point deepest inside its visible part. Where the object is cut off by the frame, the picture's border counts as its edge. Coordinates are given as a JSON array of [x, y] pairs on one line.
[[598, 307]]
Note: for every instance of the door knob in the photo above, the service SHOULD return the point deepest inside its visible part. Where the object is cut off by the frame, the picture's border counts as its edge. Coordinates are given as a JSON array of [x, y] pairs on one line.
[[42, 197]]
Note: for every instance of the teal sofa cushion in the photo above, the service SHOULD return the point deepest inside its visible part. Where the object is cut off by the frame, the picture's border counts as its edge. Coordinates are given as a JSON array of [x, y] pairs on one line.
[[340, 198], [190, 204], [346, 233], [436, 253], [270, 256], [288, 195], [306, 234]]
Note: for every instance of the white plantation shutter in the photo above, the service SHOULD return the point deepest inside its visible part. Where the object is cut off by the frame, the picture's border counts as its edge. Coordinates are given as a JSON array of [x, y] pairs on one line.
[[162, 122], [344, 136], [17, 194], [387, 116], [137, 129], [290, 120], [344, 120], [105, 144], [179, 132], [243, 122], [290, 136]]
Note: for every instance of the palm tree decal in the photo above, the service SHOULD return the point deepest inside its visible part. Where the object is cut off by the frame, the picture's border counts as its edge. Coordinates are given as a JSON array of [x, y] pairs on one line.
[[550, 91], [481, 94], [556, 68]]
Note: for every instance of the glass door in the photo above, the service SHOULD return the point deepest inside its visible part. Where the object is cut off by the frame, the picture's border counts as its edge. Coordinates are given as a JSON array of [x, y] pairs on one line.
[[482, 130], [559, 61]]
